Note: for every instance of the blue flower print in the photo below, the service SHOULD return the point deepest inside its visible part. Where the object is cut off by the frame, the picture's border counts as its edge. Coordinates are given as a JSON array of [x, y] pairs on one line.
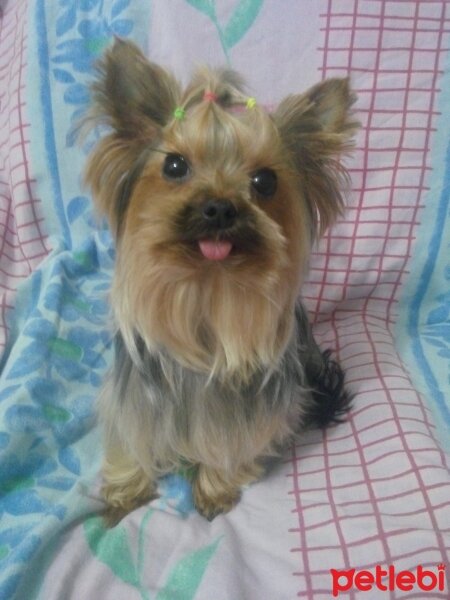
[[17, 546], [80, 338], [81, 264], [436, 330], [18, 494], [4, 440], [176, 493], [34, 355], [85, 28], [66, 299], [72, 356], [23, 481], [82, 51], [51, 410]]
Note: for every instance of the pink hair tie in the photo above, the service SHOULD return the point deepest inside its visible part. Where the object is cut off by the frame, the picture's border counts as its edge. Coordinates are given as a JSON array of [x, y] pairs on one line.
[[210, 96]]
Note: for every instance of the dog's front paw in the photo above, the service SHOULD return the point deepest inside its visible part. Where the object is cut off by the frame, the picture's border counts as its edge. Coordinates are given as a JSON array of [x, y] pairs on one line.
[[122, 500], [112, 515], [126, 486], [213, 495], [210, 506]]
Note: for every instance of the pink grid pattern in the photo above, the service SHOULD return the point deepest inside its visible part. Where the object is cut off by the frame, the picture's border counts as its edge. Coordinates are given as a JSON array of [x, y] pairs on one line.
[[23, 243], [382, 474], [396, 106]]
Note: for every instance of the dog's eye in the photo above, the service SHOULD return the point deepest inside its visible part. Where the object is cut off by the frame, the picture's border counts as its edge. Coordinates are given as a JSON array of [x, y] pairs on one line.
[[264, 182], [175, 167]]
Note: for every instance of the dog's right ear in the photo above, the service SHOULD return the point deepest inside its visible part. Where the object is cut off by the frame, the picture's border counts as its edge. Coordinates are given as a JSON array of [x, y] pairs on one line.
[[318, 127], [132, 94], [135, 99]]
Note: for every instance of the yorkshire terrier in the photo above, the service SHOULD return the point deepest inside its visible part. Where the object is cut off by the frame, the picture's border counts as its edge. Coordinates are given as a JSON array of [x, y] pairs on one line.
[[214, 204]]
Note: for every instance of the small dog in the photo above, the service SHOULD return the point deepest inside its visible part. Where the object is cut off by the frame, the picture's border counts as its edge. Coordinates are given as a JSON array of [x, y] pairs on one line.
[[214, 204]]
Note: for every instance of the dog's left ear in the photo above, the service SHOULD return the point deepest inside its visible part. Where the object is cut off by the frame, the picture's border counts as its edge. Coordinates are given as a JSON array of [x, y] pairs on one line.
[[135, 95], [135, 98], [316, 129]]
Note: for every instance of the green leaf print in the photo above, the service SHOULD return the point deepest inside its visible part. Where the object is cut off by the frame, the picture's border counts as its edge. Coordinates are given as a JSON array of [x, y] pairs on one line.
[[241, 20], [207, 7], [110, 546], [186, 575]]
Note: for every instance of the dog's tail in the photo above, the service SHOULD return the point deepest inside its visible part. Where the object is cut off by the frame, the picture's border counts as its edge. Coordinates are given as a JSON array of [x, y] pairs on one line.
[[330, 400]]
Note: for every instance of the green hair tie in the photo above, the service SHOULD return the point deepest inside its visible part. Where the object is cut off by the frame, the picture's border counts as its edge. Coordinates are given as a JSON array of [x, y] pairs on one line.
[[251, 103], [179, 113]]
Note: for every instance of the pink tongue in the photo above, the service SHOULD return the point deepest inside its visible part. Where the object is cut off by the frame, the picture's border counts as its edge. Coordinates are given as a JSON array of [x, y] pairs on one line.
[[215, 250]]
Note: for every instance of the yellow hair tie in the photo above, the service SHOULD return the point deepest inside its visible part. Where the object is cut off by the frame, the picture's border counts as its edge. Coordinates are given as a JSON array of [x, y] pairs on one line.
[[251, 103]]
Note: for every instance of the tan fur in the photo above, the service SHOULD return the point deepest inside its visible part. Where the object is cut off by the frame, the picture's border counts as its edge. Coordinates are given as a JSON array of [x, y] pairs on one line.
[[179, 282], [126, 485], [214, 494], [226, 321], [189, 306]]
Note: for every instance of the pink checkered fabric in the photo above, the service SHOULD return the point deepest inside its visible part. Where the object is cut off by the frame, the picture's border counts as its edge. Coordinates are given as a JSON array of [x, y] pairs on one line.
[[359, 492], [23, 243], [393, 52]]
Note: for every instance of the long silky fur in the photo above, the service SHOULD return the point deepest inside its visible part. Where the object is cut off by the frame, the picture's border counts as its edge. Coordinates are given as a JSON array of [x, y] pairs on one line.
[[216, 365], [223, 324], [165, 415]]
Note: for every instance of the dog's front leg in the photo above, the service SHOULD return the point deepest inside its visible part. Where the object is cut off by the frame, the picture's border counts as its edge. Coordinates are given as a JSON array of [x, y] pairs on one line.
[[126, 486], [216, 491]]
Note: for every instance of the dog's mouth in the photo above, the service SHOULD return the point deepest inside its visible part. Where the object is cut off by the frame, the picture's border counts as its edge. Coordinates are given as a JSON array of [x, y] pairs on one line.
[[216, 250], [213, 244]]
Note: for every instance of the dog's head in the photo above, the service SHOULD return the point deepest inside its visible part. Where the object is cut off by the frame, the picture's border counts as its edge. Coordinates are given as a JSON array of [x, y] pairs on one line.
[[214, 203]]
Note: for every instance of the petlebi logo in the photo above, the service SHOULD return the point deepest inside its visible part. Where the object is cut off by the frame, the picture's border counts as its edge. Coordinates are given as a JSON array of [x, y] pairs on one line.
[[389, 579]]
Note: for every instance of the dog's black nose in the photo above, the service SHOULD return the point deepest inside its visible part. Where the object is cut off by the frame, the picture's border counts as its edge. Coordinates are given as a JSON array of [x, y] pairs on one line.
[[219, 213]]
